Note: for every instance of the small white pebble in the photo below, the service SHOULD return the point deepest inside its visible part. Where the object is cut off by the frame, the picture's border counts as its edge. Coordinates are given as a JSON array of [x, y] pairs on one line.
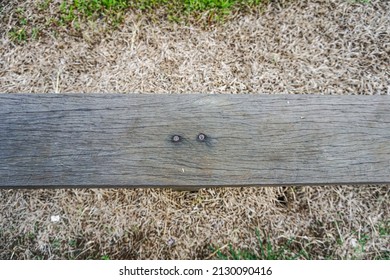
[[171, 242], [354, 242], [55, 218]]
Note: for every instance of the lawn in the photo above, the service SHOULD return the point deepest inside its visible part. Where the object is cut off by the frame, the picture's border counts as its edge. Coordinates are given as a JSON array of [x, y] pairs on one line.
[[224, 47]]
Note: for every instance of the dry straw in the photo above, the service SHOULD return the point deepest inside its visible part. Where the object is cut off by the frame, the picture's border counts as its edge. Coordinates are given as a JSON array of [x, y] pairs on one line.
[[320, 47]]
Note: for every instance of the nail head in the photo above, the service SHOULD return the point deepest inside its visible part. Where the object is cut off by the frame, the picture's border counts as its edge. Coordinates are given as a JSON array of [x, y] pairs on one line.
[[175, 138], [201, 137]]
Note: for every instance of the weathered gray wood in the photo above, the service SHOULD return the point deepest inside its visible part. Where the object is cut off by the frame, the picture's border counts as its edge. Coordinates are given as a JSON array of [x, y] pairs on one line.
[[101, 140]]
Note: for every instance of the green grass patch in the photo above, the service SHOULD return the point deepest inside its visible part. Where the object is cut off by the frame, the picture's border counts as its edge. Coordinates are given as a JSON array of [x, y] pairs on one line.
[[23, 29], [178, 10], [291, 249], [384, 229], [265, 250], [75, 16], [81, 10]]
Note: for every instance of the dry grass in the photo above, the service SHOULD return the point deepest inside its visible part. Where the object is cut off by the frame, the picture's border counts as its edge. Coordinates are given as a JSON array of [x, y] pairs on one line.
[[328, 222], [321, 47]]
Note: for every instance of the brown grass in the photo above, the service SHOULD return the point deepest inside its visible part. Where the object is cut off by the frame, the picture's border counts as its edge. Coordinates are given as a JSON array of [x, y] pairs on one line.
[[320, 47]]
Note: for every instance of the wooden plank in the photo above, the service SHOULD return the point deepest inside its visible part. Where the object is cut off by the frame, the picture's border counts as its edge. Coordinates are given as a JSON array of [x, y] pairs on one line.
[[135, 140]]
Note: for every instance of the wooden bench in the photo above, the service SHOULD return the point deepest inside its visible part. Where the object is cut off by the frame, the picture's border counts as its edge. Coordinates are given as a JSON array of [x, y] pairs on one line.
[[138, 140]]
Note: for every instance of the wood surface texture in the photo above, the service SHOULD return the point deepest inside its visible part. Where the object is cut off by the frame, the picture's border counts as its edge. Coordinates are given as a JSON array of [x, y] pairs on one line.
[[139, 140]]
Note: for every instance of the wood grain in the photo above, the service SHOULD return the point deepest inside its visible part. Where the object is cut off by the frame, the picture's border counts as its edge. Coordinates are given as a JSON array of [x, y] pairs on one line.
[[128, 140]]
